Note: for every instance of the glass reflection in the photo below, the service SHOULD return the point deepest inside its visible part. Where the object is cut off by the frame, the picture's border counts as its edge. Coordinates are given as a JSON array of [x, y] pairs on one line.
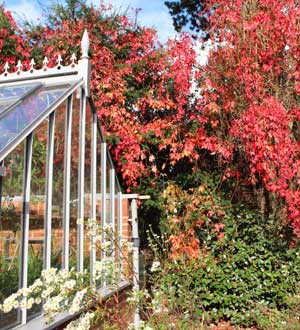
[[87, 180], [98, 190], [4, 105], [16, 91], [117, 228], [108, 219], [58, 186], [24, 114], [74, 182], [37, 208], [10, 235], [11, 94]]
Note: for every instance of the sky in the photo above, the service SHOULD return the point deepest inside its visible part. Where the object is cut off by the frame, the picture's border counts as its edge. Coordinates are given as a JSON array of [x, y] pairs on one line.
[[153, 12]]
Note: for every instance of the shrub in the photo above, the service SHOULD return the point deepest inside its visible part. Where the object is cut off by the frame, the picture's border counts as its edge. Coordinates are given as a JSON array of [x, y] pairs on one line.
[[245, 265]]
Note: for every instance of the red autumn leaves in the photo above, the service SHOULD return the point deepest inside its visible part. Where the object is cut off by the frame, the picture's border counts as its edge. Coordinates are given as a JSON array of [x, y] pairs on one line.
[[246, 117]]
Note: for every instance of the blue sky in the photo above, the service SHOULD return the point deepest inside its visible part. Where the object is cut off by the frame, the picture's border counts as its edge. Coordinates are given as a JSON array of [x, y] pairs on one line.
[[154, 13]]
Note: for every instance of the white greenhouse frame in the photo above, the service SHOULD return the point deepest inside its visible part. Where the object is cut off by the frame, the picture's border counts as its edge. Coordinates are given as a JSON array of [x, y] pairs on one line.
[[76, 77]]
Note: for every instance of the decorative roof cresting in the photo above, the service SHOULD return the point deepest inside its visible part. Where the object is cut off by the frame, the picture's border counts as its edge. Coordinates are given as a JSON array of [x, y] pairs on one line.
[[19, 73], [46, 71]]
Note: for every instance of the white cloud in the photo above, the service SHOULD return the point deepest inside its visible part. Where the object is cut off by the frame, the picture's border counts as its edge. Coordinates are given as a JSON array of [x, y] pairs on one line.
[[25, 9]]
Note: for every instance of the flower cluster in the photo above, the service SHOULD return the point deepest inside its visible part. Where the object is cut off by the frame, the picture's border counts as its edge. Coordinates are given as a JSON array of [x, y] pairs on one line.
[[61, 290], [137, 296], [142, 326], [72, 291], [77, 302], [83, 323]]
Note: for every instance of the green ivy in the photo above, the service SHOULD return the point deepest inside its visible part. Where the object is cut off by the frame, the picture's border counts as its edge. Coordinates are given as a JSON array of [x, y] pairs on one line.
[[251, 270]]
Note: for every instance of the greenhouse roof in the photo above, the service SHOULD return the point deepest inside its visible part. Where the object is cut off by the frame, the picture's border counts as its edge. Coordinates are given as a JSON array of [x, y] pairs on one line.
[[27, 97], [23, 107]]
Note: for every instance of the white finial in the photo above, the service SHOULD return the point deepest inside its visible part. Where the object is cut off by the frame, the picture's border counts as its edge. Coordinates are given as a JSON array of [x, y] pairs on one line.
[[19, 66], [59, 60], [32, 64], [45, 63], [85, 45], [73, 59], [6, 67]]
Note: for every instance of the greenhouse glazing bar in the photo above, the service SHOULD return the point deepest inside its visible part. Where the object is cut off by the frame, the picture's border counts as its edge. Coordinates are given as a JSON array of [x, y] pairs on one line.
[[25, 220], [93, 190], [80, 226], [103, 181], [67, 180], [49, 192]]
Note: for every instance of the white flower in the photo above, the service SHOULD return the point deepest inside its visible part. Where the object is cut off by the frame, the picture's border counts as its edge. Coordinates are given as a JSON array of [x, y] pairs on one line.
[[23, 303], [64, 274], [77, 302], [38, 300], [37, 283], [130, 246], [44, 294], [123, 242], [27, 291], [83, 323], [98, 266], [69, 285], [108, 228], [155, 266], [106, 245], [7, 308], [80, 221], [30, 302]]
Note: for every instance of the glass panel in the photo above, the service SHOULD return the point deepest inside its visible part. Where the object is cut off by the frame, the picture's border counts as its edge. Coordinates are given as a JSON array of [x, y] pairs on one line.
[[58, 186], [98, 189], [11, 94], [25, 113], [10, 224], [117, 209], [108, 213], [116, 227], [74, 182], [4, 105], [87, 180], [16, 91], [37, 208], [108, 220]]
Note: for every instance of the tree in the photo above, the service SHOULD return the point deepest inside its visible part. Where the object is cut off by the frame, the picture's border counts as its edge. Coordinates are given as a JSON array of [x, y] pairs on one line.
[[187, 13], [140, 88], [245, 124], [13, 47], [251, 91]]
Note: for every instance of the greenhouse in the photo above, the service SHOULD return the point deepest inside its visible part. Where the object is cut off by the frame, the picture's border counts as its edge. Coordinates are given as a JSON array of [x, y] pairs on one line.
[[55, 174]]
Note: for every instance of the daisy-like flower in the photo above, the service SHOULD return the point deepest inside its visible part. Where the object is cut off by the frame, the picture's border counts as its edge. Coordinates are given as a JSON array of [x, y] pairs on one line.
[[155, 266]]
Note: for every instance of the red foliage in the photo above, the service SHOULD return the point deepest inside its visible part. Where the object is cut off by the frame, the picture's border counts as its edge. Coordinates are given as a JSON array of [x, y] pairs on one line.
[[12, 44], [140, 88], [248, 112], [184, 244], [251, 91]]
